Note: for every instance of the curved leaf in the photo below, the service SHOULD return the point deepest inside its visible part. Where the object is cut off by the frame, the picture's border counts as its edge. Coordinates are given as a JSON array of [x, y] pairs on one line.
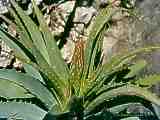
[[117, 63], [156, 110], [33, 31], [55, 57], [148, 81], [136, 68], [122, 59], [13, 43], [102, 18], [24, 37], [10, 90], [121, 108], [21, 111], [131, 118], [104, 115], [122, 91], [31, 71], [33, 39], [34, 86], [23, 54]]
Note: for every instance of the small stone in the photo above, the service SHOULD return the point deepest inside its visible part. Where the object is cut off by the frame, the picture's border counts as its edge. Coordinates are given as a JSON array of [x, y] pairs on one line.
[[30, 9], [38, 2], [12, 29], [6, 56], [103, 3], [67, 51], [18, 64], [67, 6], [79, 28]]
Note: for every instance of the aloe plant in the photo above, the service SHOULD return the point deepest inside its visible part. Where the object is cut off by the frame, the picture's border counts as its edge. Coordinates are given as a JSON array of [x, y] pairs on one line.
[[87, 89]]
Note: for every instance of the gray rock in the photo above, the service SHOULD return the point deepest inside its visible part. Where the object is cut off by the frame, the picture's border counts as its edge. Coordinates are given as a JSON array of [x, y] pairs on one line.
[[84, 15], [67, 6], [6, 55], [67, 51], [3, 6], [116, 37], [56, 18], [145, 31]]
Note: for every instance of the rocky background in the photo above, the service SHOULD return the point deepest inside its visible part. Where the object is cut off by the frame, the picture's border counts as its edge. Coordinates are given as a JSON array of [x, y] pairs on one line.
[[57, 14], [128, 29]]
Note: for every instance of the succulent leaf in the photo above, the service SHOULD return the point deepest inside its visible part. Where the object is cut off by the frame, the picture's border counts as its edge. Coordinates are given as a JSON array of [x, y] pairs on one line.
[[21, 111], [33, 31], [148, 81], [123, 91], [53, 51], [34, 86], [102, 18], [136, 68], [9, 90]]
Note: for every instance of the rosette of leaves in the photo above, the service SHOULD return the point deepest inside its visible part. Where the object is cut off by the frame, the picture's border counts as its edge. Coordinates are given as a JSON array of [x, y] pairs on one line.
[[49, 89]]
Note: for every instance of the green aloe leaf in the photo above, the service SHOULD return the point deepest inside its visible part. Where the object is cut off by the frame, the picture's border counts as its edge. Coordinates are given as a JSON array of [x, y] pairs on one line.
[[122, 91], [21, 111], [102, 18], [120, 108], [9, 90], [55, 57], [33, 31], [131, 118], [31, 71], [156, 110], [18, 48], [23, 54], [118, 61], [59, 68], [25, 49], [148, 81], [24, 37], [136, 68], [32, 85], [26, 40], [103, 115], [97, 52]]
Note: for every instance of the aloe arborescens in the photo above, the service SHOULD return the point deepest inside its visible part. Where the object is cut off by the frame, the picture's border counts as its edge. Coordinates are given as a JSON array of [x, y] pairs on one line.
[[87, 89]]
